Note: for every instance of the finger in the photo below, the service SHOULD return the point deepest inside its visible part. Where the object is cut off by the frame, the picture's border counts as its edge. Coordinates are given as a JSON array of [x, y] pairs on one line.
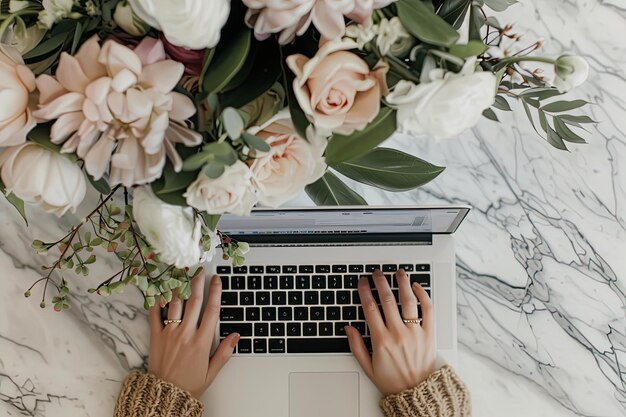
[[212, 310], [359, 351], [156, 325], [427, 306], [175, 309], [222, 354], [408, 301], [370, 309], [194, 303], [388, 301]]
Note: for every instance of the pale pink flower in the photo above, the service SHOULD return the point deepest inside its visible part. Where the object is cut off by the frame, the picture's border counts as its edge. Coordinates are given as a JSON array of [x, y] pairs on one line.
[[363, 9], [115, 108]]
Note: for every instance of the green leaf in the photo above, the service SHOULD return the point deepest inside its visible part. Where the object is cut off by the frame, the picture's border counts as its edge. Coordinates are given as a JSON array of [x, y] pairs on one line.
[[299, 119], [172, 181], [502, 104], [555, 140], [491, 115], [232, 122], [101, 185], [343, 148], [541, 93], [211, 220], [195, 162], [15, 201], [543, 121], [561, 106], [255, 142], [331, 191], [448, 57], [389, 169], [422, 22], [472, 48], [565, 132], [228, 59], [576, 119], [213, 170], [530, 116], [477, 21], [454, 11], [499, 5]]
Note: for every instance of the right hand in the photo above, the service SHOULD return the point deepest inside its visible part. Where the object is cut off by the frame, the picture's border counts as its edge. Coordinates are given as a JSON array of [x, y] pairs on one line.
[[403, 355]]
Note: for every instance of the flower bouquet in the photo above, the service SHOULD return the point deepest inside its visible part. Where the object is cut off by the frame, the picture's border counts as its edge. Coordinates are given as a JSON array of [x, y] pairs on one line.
[[179, 111]]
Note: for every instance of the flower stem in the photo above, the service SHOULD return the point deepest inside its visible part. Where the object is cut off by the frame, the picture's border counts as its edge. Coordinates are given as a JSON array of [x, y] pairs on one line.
[[512, 60]]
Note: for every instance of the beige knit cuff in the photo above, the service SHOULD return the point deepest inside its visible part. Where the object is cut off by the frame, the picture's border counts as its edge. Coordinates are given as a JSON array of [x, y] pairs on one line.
[[441, 395], [144, 394]]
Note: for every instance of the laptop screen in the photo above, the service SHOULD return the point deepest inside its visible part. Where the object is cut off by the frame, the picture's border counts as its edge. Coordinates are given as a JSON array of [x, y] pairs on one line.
[[361, 220]]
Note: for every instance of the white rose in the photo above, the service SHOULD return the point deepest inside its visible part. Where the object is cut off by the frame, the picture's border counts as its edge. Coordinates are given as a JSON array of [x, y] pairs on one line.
[[40, 176], [571, 71], [128, 20], [291, 164], [232, 192], [173, 231], [445, 106], [193, 24]]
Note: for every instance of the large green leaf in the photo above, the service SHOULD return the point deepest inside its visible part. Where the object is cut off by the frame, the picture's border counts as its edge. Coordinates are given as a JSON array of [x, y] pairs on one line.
[[299, 119], [172, 181], [15, 201], [561, 106], [389, 169], [229, 57], [422, 22], [343, 148], [454, 11], [472, 48], [331, 191], [499, 5]]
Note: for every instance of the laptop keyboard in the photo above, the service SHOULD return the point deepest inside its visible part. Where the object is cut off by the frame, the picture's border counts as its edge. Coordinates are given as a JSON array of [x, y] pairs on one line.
[[282, 309]]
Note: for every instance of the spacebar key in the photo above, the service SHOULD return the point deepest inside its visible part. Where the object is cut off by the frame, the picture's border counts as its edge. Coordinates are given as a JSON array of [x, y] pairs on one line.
[[318, 345]]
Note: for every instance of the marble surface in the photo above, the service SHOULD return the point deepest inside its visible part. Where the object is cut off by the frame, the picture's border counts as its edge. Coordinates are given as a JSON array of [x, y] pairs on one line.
[[541, 260]]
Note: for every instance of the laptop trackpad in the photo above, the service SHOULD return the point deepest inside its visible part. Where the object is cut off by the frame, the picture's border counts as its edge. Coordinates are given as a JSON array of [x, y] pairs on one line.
[[329, 394]]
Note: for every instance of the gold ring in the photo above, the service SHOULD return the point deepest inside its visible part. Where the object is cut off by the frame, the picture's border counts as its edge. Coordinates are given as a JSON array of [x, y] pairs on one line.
[[166, 322], [412, 321]]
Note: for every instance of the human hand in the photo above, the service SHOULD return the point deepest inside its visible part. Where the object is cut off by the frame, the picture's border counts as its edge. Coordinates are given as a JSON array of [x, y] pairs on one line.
[[403, 355], [179, 352]]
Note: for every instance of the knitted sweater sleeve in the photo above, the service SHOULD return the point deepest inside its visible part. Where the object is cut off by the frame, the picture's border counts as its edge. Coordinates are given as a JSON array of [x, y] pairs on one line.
[[441, 395], [144, 394]]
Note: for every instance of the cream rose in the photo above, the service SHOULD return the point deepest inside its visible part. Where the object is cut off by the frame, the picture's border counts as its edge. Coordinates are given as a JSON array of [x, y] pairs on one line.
[[40, 176], [291, 164], [16, 84], [445, 106], [336, 89], [193, 24], [232, 192]]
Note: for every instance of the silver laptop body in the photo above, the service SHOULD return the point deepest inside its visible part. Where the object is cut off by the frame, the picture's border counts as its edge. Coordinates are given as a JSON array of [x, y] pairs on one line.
[[283, 375]]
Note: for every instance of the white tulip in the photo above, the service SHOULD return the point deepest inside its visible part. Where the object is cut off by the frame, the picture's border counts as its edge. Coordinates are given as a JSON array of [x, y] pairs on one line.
[[128, 21], [40, 176], [571, 71], [232, 192], [445, 106], [173, 231], [193, 24]]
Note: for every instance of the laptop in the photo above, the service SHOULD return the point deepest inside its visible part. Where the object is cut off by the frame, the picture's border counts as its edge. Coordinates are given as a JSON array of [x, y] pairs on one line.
[[297, 291]]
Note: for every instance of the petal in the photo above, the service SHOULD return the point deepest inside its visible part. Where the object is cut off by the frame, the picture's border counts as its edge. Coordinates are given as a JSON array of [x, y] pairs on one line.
[[99, 156], [70, 74], [66, 103], [139, 104], [98, 90], [123, 80], [117, 57], [174, 157], [14, 133], [182, 107], [64, 126], [49, 88], [87, 56], [150, 50], [162, 75], [180, 134]]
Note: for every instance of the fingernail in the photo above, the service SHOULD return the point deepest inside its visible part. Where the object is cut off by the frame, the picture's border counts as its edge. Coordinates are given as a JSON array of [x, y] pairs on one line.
[[216, 280], [347, 330]]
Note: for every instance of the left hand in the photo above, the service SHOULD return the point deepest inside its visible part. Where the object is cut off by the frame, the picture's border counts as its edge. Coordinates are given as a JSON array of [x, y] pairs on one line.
[[179, 352]]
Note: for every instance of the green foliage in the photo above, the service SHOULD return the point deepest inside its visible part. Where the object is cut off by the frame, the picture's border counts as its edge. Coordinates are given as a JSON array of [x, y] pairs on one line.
[[228, 59], [14, 201], [419, 18], [331, 191]]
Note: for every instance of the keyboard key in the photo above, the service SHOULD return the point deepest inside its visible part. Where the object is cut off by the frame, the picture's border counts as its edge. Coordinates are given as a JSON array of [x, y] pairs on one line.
[[272, 269], [356, 298], [290, 269], [225, 282], [390, 268], [294, 298], [294, 329], [350, 281], [244, 329], [254, 282], [396, 294], [303, 282], [422, 279], [311, 297], [406, 267], [376, 296], [339, 328], [317, 313], [326, 329], [286, 282], [268, 313], [270, 282], [231, 314], [322, 269], [318, 345], [246, 298], [279, 298], [348, 313], [257, 269], [340, 269], [277, 345], [309, 329], [305, 269], [333, 313], [360, 326], [229, 299], [261, 329], [240, 270], [360, 314], [343, 297], [318, 282], [334, 281], [277, 329], [238, 282], [260, 345], [428, 292], [371, 268], [301, 313], [327, 297], [285, 314], [390, 280], [244, 346], [368, 343], [355, 268], [263, 298], [422, 267], [253, 314], [223, 269]]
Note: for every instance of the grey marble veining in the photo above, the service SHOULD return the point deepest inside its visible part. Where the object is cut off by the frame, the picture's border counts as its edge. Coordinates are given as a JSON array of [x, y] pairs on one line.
[[541, 260]]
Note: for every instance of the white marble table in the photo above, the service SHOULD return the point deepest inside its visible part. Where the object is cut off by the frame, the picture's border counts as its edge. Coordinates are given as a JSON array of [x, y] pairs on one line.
[[541, 261]]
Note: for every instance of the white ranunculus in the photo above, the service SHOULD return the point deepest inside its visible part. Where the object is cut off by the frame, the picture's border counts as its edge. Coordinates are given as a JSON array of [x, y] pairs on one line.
[[40, 176], [446, 105], [571, 71], [173, 231], [232, 192], [193, 24], [53, 12], [291, 164], [128, 20]]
